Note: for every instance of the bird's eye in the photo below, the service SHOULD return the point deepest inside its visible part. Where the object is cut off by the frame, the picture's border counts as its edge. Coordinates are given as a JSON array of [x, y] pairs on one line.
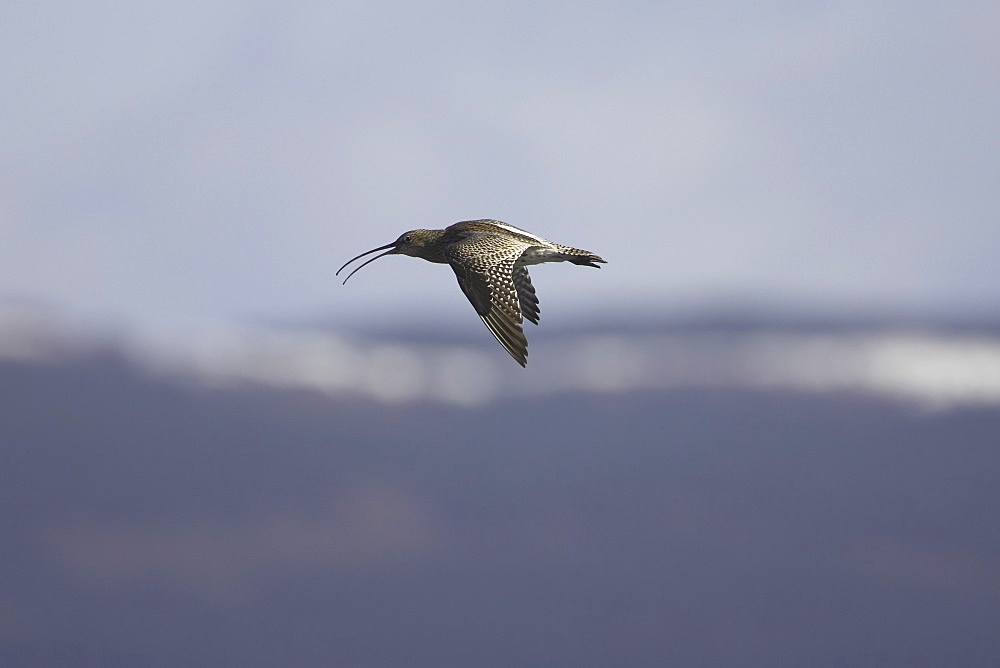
[[407, 238]]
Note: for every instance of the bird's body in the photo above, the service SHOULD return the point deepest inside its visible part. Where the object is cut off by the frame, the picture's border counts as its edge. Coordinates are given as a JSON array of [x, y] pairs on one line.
[[490, 259]]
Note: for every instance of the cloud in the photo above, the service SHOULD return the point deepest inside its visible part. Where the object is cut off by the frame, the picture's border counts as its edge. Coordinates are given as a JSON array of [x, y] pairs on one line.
[[190, 161]]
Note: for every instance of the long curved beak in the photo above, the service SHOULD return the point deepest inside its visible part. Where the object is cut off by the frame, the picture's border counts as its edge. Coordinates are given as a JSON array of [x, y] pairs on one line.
[[391, 247]]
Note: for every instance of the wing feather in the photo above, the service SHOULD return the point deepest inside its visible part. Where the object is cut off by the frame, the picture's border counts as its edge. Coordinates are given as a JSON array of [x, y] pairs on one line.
[[527, 299], [490, 287]]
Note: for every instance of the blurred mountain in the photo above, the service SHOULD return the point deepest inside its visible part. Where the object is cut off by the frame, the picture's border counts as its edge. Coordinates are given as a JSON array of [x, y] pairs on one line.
[[158, 514]]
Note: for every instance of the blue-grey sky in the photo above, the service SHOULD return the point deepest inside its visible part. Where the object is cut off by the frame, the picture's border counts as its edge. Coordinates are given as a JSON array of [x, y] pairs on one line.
[[220, 160]]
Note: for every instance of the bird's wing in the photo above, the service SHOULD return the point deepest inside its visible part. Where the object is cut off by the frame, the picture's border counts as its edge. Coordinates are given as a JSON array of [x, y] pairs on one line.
[[525, 293], [489, 285]]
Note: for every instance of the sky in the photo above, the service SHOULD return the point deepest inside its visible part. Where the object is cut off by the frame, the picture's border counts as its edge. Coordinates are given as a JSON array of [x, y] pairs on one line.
[[218, 161]]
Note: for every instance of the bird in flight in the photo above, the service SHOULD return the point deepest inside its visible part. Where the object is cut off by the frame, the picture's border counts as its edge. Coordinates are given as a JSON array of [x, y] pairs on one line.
[[490, 259]]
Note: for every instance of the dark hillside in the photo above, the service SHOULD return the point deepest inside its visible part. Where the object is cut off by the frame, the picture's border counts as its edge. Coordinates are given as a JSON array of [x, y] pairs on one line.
[[150, 523]]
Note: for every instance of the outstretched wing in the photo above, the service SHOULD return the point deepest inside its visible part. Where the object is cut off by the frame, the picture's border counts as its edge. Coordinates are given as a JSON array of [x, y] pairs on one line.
[[489, 283]]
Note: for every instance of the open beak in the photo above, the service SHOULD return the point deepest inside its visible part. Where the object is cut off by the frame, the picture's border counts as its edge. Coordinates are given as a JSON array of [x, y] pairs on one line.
[[391, 247]]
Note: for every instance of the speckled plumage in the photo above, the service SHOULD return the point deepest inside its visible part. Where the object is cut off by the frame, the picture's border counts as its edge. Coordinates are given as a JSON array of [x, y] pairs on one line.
[[490, 259]]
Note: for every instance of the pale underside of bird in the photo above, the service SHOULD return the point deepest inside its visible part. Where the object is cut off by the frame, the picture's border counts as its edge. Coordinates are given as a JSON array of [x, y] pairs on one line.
[[490, 260]]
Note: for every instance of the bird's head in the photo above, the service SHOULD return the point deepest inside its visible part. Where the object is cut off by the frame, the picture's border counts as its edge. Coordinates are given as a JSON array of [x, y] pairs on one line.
[[414, 243]]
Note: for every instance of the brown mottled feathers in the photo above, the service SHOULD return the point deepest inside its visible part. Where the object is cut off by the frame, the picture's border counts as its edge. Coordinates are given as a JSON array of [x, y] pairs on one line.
[[490, 259], [500, 291], [526, 293]]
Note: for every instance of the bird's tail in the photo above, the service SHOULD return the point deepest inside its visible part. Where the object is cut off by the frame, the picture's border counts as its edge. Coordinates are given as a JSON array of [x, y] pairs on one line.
[[582, 257]]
